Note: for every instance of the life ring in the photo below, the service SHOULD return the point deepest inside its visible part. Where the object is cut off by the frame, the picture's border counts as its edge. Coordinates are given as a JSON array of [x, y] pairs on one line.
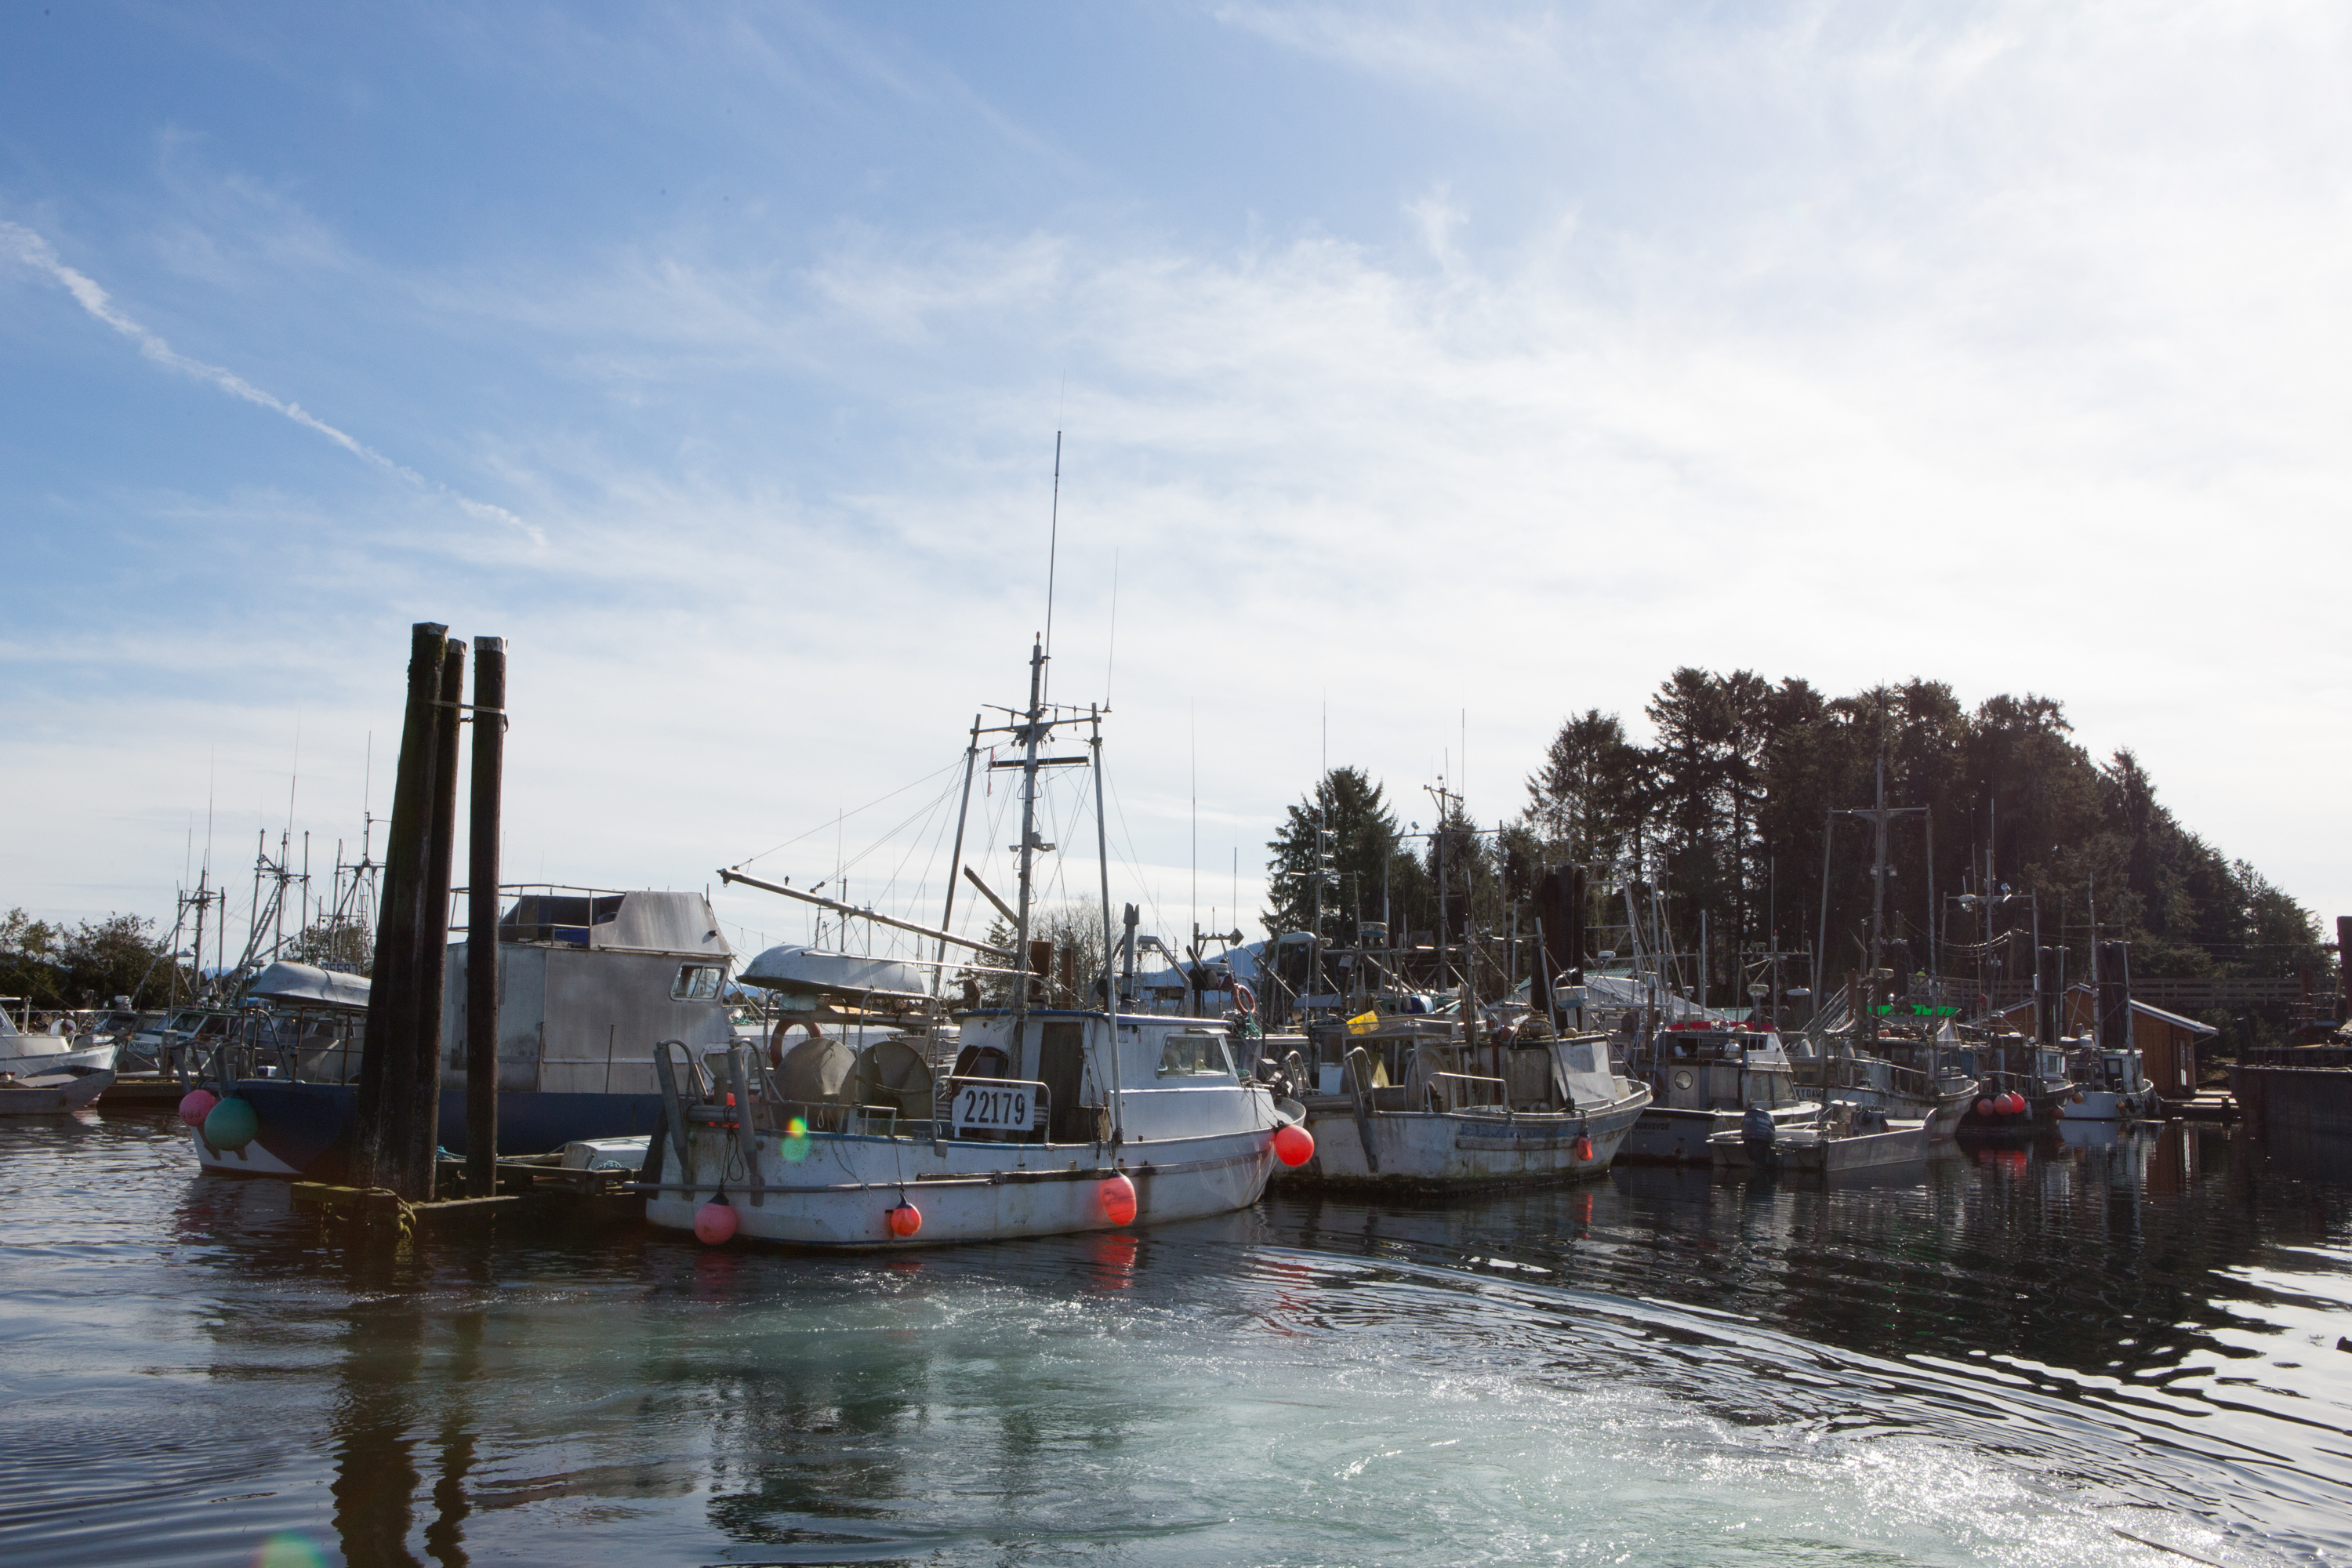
[[1244, 999]]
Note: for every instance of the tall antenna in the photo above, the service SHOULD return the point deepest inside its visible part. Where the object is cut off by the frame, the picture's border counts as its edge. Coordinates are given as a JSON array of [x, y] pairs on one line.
[[1111, 658], [1053, 545]]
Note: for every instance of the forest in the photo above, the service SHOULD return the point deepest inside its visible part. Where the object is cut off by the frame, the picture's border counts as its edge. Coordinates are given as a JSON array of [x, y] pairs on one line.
[[1731, 813]]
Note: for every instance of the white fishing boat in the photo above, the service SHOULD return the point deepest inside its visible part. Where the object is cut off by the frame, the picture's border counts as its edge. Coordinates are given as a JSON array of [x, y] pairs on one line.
[[26, 1050], [2109, 1086], [1854, 1141], [1542, 1109], [1704, 1078], [1049, 1120], [51, 1091]]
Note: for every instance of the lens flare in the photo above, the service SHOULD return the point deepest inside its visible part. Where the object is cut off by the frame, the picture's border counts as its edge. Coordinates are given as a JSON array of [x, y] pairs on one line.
[[794, 1144], [289, 1549]]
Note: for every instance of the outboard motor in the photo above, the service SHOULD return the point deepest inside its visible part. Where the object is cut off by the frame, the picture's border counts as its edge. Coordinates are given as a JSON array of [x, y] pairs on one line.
[[1758, 1132]]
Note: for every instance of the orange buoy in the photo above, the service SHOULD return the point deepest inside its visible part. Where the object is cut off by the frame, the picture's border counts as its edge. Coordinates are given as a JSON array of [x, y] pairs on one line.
[[905, 1220], [1119, 1200], [1293, 1145], [1584, 1148], [715, 1222]]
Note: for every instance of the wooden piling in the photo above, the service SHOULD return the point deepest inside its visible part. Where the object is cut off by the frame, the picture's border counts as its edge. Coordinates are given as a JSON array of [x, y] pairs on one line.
[[482, 918], [2344, 966], [387, 1061], [422, 1132], [2113, 1021]]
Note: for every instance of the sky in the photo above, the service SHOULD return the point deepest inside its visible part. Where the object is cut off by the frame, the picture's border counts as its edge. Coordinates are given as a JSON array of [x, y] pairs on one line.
[[1421, 374]]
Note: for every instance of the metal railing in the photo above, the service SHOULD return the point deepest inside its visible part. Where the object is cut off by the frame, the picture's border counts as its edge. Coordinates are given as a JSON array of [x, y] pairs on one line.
[[1443, 1097]]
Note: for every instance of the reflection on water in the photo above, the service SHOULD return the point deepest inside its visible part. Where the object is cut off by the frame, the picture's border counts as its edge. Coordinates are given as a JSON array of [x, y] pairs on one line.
[[2118, 1349]]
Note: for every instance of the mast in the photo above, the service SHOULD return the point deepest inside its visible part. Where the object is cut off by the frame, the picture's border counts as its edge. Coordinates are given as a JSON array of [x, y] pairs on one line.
[[1032, 731], [1878, 870], [1110, 972], [955, 859]]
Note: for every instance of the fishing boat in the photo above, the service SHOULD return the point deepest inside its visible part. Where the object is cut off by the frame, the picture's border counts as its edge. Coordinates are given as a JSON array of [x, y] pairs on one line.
[[1848, 1139], [26, 1050], [2108, 1085], [589, 981], [1896, 1078], [1418, 1109], [1050, 1119], [1703, 1077], [51, 1091]]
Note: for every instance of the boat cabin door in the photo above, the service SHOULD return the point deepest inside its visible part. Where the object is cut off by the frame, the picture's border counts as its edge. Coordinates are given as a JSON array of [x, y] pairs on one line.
[[1061, 1068]]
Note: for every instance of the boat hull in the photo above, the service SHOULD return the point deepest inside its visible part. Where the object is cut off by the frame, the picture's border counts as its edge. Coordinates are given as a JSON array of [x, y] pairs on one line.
[[2105, 1105], [1807, 1152], [2296, 1099], [838, 1194], [52, 1093], [305, 1128], [1456, 1150], [1674, 1135], [29, 1064]]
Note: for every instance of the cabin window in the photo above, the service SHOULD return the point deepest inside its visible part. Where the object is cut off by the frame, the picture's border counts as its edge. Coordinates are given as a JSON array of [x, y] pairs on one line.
[[1194, 1056], [696, 983]]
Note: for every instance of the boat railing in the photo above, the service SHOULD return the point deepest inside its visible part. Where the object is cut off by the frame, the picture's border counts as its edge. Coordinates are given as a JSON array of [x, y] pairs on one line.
[[1861, 1073], [1475, 1091]]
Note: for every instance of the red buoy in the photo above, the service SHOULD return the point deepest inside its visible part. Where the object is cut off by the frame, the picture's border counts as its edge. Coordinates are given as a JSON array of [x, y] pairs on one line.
[[1584, 1148], [714, 1222], [2016, 1106], [1293, 1145], [1119, 1200], [905, 1220], [1984, 1108], [195, 1105]]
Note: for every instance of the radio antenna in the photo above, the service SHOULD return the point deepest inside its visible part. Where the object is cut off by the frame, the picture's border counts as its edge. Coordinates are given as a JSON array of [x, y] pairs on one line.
[[1053, 545], [1111, 659]]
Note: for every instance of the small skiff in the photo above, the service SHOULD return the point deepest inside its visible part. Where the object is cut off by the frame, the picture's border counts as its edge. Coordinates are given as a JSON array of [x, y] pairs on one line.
[[52, 1093]]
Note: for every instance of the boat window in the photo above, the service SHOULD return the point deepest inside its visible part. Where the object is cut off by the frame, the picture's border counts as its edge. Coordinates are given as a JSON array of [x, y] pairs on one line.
[[696, 982], [1194, 1056]]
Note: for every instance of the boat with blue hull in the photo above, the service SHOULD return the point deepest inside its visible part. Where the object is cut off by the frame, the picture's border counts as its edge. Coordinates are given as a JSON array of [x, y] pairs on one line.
[[588, 981], [305, 1129]]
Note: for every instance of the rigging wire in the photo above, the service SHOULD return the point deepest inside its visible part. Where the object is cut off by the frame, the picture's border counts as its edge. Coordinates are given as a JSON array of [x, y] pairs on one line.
[[869, 805]]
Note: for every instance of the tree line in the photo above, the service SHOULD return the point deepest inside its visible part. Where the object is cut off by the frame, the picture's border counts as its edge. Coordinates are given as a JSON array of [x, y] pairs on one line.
[[51, 966], [1731, 813]]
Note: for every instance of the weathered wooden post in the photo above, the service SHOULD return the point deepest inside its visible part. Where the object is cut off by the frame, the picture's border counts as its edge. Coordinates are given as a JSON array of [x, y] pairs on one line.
[[421, 1129], [2112, 1026], [2344, 966], [387, 1061], [482, 918]]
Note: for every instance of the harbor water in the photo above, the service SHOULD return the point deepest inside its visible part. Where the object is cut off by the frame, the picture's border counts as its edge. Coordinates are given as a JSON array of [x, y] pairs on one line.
[[2129, 1349]]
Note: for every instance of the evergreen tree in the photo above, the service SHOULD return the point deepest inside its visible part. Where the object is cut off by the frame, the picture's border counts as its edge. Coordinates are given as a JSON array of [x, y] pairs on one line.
[[1349, 806]]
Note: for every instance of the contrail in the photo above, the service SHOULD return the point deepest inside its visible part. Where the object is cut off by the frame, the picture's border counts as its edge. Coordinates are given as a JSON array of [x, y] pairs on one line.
[[36, 252]]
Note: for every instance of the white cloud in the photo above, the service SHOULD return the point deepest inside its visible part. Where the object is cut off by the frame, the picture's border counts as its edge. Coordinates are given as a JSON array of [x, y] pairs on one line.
[[2008, 348], [36, 252]]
